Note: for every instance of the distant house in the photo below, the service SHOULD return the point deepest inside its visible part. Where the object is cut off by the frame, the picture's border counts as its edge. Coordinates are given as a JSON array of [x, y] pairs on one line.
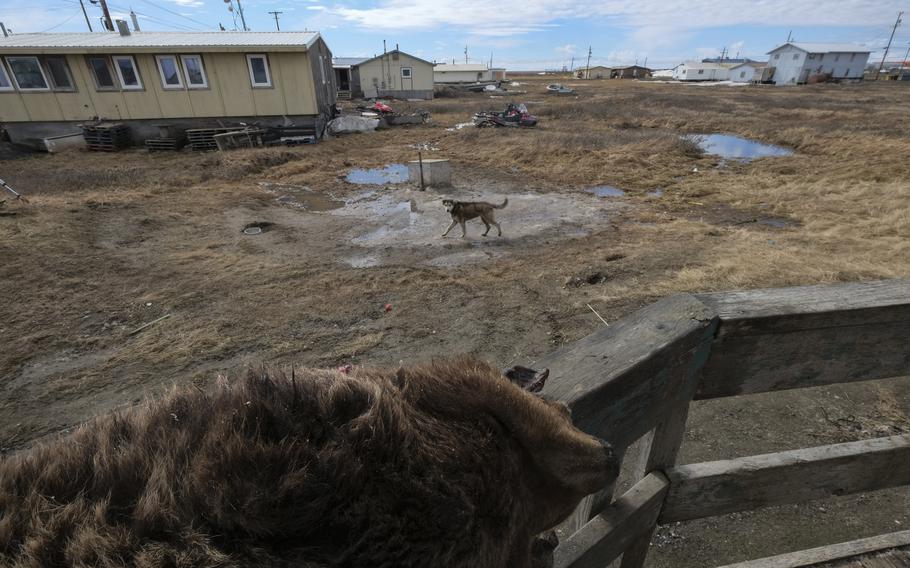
[[750, 72], [797, 62], [595, 72], [52, 82], [393, 74], [448, 73], [499, 73], [631, 72], [699, 71]]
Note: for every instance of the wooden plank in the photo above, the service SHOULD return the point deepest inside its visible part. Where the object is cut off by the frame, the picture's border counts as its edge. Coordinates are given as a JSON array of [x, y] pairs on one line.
[[620, 380], [812, 556], [807, 336], [606, 536], [720, 487], [659, 453]]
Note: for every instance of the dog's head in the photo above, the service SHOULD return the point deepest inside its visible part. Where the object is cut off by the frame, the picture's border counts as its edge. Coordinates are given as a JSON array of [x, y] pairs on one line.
[[449, 204]]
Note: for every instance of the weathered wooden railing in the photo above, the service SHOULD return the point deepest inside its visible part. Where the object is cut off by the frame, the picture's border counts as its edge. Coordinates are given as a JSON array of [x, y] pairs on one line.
[[637, 377]]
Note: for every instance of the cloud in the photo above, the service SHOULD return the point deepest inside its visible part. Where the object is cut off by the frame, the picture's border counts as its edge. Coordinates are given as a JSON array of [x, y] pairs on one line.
[[189, 3], [652, 23], [567, 50], [319, 8]]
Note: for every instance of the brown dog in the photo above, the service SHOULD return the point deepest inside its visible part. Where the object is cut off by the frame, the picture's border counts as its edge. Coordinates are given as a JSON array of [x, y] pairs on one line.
[[462, 211]]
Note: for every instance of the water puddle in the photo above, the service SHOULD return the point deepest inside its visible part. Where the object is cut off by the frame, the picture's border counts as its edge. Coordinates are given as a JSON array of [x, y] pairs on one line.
[[778, 222], [393, 173], [368, 261], [301, 197], [607, 191], [737, 148], [655, 193]]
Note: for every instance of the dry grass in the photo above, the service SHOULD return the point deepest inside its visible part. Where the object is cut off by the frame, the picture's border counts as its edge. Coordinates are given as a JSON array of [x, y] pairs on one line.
[[104, 237]]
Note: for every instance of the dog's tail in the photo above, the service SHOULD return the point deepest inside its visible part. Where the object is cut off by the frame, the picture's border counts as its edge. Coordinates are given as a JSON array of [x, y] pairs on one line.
[[501, 205]]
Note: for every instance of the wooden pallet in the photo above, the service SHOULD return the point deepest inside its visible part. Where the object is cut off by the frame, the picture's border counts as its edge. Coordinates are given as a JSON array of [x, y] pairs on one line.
[[204, 138], [165, 144], [106, 137]]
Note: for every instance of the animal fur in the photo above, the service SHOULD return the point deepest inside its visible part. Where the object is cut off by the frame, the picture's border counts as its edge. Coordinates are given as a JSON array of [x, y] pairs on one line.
[[463, 211], [448, 464]]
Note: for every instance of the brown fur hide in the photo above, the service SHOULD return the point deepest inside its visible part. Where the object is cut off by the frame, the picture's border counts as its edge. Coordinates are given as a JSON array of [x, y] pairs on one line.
[[447, 465]]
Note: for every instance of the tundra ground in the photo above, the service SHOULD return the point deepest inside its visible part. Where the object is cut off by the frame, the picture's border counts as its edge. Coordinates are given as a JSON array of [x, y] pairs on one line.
[[110, 242]]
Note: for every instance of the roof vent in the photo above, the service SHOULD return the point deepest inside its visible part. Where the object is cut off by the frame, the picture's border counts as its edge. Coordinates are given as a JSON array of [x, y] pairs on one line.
[[123, 27]]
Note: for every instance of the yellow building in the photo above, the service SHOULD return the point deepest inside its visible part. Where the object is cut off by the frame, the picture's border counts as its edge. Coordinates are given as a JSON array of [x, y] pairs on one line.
[[52, 82], [393, 74]]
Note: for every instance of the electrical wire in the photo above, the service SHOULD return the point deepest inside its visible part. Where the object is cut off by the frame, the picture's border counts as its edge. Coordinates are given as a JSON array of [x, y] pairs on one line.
[[173, 25], [60, 24], [160, 7]]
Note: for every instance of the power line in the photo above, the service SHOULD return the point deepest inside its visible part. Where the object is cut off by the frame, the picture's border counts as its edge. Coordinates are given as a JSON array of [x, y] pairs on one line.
[[60, 24], [155, 19], [203, 24]]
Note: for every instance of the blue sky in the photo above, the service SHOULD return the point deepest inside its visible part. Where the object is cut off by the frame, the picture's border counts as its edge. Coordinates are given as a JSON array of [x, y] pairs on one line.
[[520, 34]]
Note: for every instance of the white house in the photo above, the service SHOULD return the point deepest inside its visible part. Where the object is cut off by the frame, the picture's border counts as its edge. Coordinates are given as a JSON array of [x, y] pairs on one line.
[[699, 71], [750, 72], [797, 62], [461, 73]]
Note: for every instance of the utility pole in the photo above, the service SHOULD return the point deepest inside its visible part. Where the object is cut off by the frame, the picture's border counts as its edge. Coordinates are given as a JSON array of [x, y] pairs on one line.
[[466, 54], [572, 65], [789, 36], [3, 28], [108, 22], [84, 13], [588, 66], [242, 19], [894, 29], [277, 27], [906, 55]]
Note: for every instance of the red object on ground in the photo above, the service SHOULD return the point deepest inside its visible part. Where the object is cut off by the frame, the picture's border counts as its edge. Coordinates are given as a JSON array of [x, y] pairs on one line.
[[382, 107], [388, 307], [346, 368]]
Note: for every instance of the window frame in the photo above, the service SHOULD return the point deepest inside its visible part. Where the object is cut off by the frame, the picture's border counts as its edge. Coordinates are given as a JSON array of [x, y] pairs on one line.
[[20, 88], [6, 75], [186, 72], [164, 84], [268, 72], [66, 69], [410, 74], [123, 85], [108, 63]]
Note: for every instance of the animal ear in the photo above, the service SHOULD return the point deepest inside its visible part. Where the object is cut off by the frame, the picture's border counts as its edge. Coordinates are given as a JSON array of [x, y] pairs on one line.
[[528, 379]]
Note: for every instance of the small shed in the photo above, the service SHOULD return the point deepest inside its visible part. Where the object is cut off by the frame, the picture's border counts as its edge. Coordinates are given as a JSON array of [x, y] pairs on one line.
[[449, 73], [394, 74], [700, 71], [631, 72], [593, 72]]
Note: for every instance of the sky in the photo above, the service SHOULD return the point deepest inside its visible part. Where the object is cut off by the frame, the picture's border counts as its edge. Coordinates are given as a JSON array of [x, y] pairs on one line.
[[516, 34]]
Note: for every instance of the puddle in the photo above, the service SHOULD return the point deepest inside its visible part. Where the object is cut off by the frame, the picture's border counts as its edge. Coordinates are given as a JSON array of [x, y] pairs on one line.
[[655, 193], [368, 261], [607, 191], [778, 222], [301, 197], [256, 228], [393, 173], [736, 148]]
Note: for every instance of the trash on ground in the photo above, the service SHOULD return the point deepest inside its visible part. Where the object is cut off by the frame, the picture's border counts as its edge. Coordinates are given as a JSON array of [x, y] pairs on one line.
[[349, 124], [513, 115], [558, 89]]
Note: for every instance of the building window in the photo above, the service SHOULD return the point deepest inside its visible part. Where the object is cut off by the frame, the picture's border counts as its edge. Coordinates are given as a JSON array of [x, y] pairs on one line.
[[5, 83], [742, 74], [169, 71], [59, 72], [777, 56], [28, 73], [837, 58], [194, 72], [406, 72], [821, 57], [259, 70], [701, 71], [127, 72], [795, 56], [852, 57], [101, 70], [811, 56]]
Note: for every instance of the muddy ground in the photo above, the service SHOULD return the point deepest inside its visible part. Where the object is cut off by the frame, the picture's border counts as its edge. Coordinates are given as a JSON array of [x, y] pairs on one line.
[[109, 243]]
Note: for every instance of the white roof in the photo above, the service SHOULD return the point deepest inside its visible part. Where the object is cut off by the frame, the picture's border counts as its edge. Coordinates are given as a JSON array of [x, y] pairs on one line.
[[144, 41], [702, 65], [460, 67], [826, 47], [754, 64]]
